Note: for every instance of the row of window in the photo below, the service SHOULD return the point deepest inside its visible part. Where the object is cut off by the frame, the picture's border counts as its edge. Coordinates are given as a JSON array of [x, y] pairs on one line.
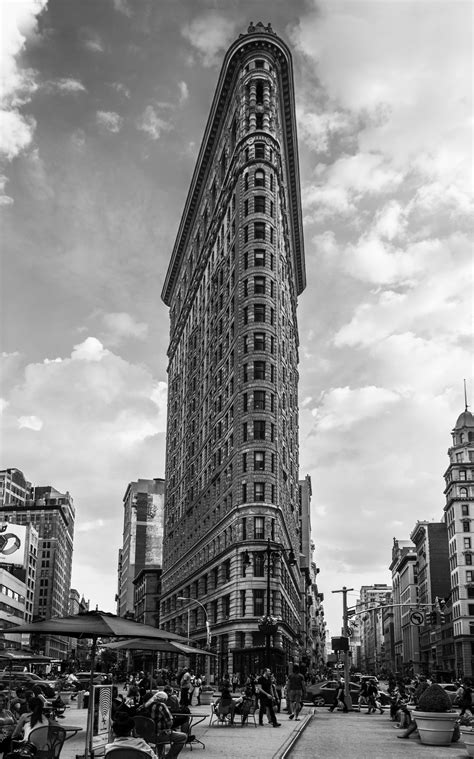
[[259, 428], [259, 180], [261, 231], [259, 205]]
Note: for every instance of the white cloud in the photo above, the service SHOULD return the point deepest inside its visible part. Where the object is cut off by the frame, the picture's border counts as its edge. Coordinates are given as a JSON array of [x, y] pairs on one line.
[[16, 84], [122, 89], [209, 34], [3, 405], [121, 326], [5, 200], [66, 85], [90, 350], [30, 423], [93, 524], [110, 120], [91, 40], [183, 92], [343, 407], [16, 132], [152, 124]]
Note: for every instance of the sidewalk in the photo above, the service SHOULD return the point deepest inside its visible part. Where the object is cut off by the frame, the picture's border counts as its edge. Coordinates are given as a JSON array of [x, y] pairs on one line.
[[221, 741], [362, 736]]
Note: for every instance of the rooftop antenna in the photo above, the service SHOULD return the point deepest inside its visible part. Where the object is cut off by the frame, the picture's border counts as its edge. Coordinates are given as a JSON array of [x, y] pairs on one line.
[[465, 397]]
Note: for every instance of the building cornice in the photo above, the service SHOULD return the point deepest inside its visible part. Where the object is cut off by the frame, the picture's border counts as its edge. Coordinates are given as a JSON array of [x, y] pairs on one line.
[[247, 43]]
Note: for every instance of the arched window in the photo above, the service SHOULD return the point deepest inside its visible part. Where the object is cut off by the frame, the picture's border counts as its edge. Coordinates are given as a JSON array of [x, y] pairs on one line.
[[463, 492]]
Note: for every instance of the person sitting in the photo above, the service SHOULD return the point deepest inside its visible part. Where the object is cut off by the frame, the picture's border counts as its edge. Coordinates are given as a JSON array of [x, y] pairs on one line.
[[225, 705], [30, 720], [159, 712], [7, 725], [179, 713], [122, 728]]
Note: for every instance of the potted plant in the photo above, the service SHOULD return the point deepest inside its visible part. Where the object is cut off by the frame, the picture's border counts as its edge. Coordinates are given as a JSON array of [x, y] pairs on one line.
[[206, 694], [435, 719], [268, 624], [466, 724]]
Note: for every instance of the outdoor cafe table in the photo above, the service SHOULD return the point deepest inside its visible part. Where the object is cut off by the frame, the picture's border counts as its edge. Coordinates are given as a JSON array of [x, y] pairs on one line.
[[195, 718]]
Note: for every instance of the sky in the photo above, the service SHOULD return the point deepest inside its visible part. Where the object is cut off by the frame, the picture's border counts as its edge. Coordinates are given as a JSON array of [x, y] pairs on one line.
[[103, 107]]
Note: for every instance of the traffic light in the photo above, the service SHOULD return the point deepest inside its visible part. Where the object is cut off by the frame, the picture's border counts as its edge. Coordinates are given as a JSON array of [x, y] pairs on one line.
[[432, 617], [442, 617]]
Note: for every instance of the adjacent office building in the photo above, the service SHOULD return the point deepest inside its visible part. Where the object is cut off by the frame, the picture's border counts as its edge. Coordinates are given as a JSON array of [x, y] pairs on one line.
[[142, 548], [232, 517], [52, 514]]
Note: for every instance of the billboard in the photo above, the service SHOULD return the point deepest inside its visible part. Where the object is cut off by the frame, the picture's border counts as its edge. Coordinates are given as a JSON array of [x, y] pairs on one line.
[[13, 543]]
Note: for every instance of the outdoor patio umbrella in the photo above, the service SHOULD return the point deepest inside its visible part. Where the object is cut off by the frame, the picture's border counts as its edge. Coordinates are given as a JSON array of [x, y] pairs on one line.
[[94, 625], [148, 644]]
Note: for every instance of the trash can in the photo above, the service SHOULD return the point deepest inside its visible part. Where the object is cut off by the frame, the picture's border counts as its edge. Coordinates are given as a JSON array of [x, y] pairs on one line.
[[80, 699]]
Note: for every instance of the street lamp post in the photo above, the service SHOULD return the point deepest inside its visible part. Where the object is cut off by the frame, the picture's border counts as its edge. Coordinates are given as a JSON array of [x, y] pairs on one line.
[[208, 630], [271, 553]]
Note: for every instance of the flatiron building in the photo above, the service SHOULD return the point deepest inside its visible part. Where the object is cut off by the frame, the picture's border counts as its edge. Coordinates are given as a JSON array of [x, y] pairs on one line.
[[232, 517]]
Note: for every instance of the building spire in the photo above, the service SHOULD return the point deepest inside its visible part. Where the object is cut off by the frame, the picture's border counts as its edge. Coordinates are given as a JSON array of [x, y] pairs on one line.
[[465, 397]]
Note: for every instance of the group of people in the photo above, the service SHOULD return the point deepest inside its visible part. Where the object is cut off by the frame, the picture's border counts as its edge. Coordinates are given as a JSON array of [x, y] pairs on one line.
[[26, 713]]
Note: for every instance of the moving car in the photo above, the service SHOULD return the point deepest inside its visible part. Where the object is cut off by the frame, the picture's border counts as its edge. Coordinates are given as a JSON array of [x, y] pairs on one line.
[[84, 678], [323, 693]]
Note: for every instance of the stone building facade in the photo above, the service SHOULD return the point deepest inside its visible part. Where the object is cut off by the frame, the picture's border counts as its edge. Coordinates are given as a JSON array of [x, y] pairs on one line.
[[236, 271]]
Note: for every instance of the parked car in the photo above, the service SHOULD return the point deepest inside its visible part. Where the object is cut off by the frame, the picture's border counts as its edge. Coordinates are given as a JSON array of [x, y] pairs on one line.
[[27, 680], [84, 679], [451, 689]]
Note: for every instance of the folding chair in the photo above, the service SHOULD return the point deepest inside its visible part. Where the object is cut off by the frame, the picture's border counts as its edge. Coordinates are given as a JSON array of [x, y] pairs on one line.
[[221, 715], [248, 709]]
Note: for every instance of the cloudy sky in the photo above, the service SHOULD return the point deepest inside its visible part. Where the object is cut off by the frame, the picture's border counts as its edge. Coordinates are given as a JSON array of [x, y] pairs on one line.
[[103, 107]]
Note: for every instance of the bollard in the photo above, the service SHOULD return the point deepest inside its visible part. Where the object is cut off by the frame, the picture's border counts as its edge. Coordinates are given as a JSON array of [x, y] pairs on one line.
[[80, 699]]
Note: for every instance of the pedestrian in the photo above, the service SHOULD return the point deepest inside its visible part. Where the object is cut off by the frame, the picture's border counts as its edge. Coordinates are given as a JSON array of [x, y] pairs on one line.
[[30, 719], [197, 690], [339, 697], [295, 691], [465, 700], [185, 687], [264, 693], [372, 695], [235, 681]]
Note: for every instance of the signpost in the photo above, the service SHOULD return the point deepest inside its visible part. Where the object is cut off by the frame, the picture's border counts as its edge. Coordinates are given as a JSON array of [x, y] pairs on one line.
[[417, 618]]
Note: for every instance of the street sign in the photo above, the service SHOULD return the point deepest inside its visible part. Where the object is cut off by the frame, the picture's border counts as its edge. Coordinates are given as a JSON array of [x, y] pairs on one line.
[[417, 618]]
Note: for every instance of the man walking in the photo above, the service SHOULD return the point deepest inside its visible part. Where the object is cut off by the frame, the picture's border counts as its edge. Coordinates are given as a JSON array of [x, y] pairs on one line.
[[264, 694]]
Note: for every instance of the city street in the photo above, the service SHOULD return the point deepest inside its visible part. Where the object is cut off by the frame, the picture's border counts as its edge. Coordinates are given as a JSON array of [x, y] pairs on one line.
[[362, 736]]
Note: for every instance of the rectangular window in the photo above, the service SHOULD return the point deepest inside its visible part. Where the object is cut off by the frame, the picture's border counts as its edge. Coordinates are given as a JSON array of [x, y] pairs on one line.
[[246, 208], [258, 602], [259, 178], [245, 401], [244, 492], [244, 432], [259, 400], [259, 429], [246, 260], [245, 372], [259, 461], [259, 564], [244, 462], [246, 234], [469, 576], [259, 528], [466, 527], [226, 606], [242, 603], [259, 312], [467, 543], [244, 528], [258, 230], [259, 120], [246, 344], [259, 370], [246, 315], [465, 510], [469, 559], [259, 205], [259, 285], [259, 257], [259, 150], [259, 491], [259, 341]]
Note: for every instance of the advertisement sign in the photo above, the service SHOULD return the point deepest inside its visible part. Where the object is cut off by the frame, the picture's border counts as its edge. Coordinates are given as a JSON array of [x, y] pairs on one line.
[[12, 543], [102, 719]]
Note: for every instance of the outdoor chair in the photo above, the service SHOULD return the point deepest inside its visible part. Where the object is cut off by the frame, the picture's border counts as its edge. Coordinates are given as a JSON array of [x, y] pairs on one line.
[[48, 740], [220, 715], [126, 753], [247, 710]]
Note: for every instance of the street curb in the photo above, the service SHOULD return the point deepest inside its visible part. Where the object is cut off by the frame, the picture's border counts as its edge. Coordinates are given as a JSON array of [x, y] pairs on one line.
[[284, 750]]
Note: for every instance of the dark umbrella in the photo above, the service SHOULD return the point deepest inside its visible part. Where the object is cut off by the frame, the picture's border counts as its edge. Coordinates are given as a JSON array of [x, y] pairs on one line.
[[94, 625], [148, 644]]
